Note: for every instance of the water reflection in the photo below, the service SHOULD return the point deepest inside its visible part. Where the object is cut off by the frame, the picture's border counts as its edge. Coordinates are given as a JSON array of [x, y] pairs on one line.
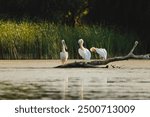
[[92, 84], [73, 88]]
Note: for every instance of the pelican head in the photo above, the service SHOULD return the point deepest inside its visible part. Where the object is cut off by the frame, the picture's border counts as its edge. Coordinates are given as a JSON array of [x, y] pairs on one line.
[[136, 42], [93, 49], [81, 41], [64, 44]]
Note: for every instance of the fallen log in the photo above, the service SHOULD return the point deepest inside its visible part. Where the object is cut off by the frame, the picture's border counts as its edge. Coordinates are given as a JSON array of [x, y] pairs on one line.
[[95, 63]]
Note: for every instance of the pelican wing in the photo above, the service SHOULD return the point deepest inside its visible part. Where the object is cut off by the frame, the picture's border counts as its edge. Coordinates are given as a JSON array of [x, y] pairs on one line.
[[63, 55], [105, 53], [102, 52], [81, 53], [85, 53], [88, 54]]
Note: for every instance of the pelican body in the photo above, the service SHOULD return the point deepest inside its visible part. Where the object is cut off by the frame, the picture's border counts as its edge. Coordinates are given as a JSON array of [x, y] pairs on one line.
[[64, 54], [83, 52], [101, 52]]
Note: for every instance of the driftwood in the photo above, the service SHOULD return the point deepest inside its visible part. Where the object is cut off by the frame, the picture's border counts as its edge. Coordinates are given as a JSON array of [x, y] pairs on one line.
[[94, 64]]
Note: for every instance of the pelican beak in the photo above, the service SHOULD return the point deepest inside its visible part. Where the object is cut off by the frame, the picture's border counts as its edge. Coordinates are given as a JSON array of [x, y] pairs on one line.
[[80, 43], [65, 46], [92, 49]]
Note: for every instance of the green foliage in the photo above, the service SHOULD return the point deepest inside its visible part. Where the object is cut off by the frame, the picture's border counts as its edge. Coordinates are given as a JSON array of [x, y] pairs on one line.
[[42, 40]]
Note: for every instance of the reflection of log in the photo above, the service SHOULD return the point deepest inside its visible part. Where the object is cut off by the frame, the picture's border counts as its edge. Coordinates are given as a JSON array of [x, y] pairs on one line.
[[77, 65], [93, 64]]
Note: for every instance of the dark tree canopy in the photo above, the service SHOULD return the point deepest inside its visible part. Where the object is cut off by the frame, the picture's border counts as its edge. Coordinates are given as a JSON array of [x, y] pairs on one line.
[[127, 14]]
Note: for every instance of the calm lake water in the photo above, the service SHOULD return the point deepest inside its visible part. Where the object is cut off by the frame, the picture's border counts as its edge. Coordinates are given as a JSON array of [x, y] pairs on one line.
[[39, 80]]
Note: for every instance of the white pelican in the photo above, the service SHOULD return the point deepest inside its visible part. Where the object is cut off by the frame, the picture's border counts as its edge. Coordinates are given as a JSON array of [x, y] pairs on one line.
[[83, 52], [101, 51], [63, 54]]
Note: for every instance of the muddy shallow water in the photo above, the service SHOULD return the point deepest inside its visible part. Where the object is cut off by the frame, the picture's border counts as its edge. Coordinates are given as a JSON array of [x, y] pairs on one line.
[[37, 79]]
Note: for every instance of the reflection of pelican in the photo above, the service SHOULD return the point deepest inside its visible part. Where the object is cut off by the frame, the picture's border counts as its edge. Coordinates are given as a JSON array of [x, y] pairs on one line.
[[101, 51], [84, 52], [65, 87], [63, 54]]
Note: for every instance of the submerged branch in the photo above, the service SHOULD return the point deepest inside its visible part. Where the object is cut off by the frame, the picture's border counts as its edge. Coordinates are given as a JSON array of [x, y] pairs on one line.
[[94, 64]]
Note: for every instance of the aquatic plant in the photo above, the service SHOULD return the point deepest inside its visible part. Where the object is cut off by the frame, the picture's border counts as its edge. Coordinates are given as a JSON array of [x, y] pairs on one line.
[[41, 40]]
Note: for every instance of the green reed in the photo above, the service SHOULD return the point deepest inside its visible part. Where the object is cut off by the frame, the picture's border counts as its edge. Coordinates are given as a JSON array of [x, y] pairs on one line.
[[42, 40]]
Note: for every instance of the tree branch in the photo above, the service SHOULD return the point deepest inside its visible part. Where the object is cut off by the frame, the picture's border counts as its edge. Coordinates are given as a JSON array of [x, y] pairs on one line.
[[94, 64]]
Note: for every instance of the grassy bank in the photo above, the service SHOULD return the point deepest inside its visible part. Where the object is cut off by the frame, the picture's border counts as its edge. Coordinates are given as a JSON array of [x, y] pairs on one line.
[[29, 40]]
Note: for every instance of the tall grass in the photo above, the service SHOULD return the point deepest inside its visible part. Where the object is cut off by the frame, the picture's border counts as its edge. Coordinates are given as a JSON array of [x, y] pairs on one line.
[[30, 40]]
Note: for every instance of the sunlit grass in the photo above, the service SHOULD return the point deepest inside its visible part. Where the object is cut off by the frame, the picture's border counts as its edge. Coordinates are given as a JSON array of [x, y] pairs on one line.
[[30, 40]]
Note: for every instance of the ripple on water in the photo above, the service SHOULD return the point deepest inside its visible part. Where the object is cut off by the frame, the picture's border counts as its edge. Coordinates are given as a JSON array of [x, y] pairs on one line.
[[98, 84]]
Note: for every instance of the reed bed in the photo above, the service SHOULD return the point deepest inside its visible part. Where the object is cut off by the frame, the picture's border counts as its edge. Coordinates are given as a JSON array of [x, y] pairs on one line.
[[42, 40]]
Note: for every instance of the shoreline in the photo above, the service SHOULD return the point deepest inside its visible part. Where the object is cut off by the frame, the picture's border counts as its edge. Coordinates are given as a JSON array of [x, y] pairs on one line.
[[53, 63]]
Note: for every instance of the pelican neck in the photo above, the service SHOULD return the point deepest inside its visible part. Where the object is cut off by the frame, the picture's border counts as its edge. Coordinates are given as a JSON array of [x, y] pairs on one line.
[[81, 47], [63, 48]]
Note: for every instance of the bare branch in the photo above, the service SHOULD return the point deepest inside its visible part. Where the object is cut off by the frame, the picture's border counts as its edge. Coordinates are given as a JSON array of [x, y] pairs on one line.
[[94, 64], [135, 44]]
